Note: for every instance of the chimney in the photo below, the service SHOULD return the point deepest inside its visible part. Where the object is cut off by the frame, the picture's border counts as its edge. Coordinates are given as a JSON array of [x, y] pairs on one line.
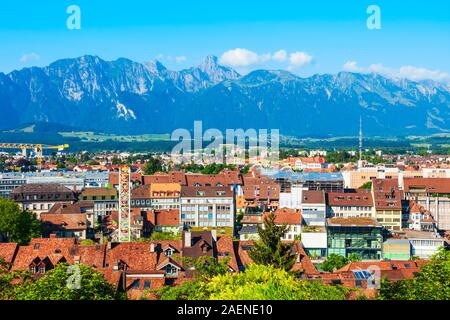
[[187, 239], [214, 234], [76, 259], [152, 247]]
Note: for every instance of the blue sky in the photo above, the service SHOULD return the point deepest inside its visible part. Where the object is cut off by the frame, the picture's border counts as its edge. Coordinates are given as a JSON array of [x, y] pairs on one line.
[[309, 36]]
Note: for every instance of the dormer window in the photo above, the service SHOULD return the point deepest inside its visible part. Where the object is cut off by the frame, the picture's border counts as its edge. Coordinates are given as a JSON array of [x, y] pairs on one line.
[[42, 269], [168, 252], [33, 269]]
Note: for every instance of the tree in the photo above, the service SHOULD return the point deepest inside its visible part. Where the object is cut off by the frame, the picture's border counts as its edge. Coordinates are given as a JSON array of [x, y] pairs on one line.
[[207, 267], [367, 185], [153, 165], [432, 282], [334, 261], [17, 225], [258, 282], [61, 283], [270, 250]]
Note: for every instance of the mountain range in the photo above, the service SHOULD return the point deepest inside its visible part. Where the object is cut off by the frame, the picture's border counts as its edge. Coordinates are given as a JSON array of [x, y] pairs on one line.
[[127, 97]]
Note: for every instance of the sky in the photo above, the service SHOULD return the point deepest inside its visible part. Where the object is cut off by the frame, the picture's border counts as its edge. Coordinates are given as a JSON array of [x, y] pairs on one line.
[[304, 37]]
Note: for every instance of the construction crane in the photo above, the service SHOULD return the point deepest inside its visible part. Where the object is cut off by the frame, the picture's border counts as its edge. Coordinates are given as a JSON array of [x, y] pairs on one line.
[[38, 148]]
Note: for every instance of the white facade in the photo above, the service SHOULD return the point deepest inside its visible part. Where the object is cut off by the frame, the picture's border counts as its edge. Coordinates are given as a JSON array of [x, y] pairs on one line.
[[424, 248]]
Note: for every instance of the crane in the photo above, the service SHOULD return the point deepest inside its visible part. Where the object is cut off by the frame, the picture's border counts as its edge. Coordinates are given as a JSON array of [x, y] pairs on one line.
[[37, 147]]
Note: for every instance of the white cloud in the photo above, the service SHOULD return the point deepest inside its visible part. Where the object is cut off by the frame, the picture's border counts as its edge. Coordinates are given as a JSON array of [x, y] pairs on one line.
[[176, 59], [299, 59], [180, 59], [406, 72], [280, 55], [352, 66], [241, 57], [29, 57]]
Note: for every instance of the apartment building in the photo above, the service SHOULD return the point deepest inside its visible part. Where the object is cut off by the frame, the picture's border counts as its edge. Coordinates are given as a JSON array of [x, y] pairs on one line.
[[434, 195], [40, 198], [388, 203], [350, 205], [207, 207], [105, 200]]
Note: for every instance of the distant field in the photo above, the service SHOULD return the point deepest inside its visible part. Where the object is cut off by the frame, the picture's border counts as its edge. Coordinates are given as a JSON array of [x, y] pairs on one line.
[[102, 137]]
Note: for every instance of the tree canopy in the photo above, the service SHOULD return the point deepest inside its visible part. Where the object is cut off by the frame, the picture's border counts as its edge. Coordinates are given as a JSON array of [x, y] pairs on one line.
[[77, 282], [18, 225], [270, 250], [258, 282], [153, 165], [432, 282], [335, 261]]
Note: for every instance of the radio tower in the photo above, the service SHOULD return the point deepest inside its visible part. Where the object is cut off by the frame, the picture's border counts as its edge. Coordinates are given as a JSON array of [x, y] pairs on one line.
[[124, 204], [360, 142]]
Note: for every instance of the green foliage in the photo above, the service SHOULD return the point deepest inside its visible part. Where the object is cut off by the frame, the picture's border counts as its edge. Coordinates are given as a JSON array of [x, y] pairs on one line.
[[215, 168], [87, 242], [270, 250], [258, 282], [153, 165], [367, 185], [165, 236], [432, 282], [17, 225], [335, 261], [7, 280], [207, 267], [54, 286], [245, 169]]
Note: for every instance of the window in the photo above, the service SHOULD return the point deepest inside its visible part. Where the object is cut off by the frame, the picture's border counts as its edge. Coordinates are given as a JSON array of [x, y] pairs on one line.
[[168, 252], [136, 284], [147, 284], [42, 269]]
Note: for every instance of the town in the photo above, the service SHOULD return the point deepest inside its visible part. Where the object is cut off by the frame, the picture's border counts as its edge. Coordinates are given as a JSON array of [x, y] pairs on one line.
[[149, 223]]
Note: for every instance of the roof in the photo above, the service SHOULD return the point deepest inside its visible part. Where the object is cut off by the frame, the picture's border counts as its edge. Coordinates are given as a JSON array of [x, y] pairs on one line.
[[353, 222], [57, 250], [68, 208], [58, 221], [90, 192], [382, 265], [313, 196], [202, 192], [47, 190], [387, 195], [287, 216], [142, 192], [168, 217], [430, 185], [8, 251], [357, 199]]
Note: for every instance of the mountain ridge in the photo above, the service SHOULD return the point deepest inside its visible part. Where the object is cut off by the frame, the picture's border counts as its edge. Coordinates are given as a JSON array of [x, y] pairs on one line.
[[131, 97]]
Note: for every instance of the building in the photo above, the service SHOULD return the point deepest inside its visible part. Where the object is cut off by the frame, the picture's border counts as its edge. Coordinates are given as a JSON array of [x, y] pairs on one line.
[[350, 204], [397, 249], [207, 207], [9, 183], [420, 219], [361, 236], [388, 203], [291, 218], [165, 196], [40, 198], [75, 220], [424, 244], [313, 208], [166, 220], [105, 201], [434, 195]]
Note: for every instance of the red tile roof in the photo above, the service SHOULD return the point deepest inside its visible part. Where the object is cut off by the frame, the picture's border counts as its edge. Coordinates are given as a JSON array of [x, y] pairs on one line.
[[430, 185], [356, 199]]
